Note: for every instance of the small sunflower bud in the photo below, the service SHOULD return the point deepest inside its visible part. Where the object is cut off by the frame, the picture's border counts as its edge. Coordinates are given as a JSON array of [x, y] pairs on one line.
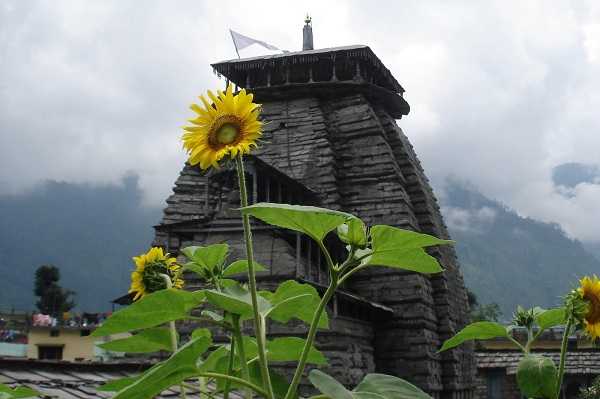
[[525, 317], [536, 376], [353, 232]]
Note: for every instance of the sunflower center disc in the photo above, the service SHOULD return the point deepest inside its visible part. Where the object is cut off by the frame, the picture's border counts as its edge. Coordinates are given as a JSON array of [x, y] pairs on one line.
[[593, 315], [227, 134]]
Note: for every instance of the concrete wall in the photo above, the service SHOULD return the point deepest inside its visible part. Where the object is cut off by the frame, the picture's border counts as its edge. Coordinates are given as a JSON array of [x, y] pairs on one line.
[[74, 345]]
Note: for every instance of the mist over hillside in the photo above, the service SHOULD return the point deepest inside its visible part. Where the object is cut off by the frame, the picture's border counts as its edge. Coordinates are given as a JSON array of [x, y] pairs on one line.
[[89, 232], [509, 259]]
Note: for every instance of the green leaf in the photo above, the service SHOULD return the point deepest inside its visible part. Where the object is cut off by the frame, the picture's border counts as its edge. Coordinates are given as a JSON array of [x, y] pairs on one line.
[[373, 386], [150, 311], [312, 221], [390, 387], [280, 384], [250, 347], [213, 361], [327, 385], [536, 376], [149, 340], [181, 365], [117, 384], [201, 332], [550, 318], [288, 349], [479, 330], [403, 249], [18, 392], [241, 266], [212, 315], [295, 300], [210, 257], [236, 300], [198, 269]]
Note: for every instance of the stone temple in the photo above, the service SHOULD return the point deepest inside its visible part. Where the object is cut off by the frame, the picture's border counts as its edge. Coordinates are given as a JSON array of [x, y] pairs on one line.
[[332, 141]]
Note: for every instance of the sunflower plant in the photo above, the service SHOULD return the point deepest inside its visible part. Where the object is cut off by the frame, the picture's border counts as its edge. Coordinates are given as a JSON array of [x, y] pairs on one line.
[[538, 376], [226, 127]]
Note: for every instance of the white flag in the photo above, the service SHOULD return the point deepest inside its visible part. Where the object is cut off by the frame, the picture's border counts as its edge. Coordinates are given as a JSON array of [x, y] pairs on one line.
[[240, 42]]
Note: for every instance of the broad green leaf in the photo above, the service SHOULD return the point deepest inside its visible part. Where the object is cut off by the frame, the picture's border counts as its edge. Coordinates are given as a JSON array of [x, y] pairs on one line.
[[536, 376], [236, 300], [312, 221], [181, 365], [327, 385], [550, 318], [201, 332], [117, 384], [18, 392], [210, 257], [150, 311], [295, 300], [211, 363], [241, 266], [480, 330], [390, 387], [403, 249], [288, 349], [198, 269], [280, 384], [212, 315], [373, 386], [149, 340]]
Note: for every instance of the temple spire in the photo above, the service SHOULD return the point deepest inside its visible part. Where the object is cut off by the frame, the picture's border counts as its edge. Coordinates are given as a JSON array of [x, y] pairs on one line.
[[307, 34]]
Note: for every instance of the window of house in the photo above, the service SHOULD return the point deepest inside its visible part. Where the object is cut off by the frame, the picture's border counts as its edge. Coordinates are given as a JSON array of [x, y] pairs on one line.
[[54, 333], [495, 384], [50, 352], [85, 333]]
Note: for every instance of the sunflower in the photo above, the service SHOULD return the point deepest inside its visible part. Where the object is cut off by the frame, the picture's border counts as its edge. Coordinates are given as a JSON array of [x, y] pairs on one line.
[[148, 269], [589, 291], [227, 126]]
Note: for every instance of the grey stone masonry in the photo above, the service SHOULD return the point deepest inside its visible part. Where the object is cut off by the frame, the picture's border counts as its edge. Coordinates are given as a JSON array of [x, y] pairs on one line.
[[331, 140]]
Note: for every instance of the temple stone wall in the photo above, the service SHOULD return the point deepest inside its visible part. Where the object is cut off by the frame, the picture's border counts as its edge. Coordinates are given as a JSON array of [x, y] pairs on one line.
[[344, 151]]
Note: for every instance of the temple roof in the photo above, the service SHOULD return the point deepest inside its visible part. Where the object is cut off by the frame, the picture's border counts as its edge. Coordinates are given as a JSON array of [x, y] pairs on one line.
[[231, 68]]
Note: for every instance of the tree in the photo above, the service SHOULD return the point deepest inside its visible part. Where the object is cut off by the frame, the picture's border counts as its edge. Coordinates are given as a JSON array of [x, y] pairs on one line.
[[479, 312], [53, 299]]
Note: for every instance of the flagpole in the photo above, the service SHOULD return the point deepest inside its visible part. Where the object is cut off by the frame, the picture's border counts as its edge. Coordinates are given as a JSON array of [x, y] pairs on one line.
[[234, 43]]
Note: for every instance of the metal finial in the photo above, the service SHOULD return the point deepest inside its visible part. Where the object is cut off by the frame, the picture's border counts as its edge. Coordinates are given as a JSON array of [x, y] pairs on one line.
[[307, 34]]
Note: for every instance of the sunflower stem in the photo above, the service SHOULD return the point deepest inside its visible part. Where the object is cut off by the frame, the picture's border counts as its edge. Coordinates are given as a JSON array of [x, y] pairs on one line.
[[312, 331], [237, 337], [229, 367], [258, 322], [563, 355], [173, 332]]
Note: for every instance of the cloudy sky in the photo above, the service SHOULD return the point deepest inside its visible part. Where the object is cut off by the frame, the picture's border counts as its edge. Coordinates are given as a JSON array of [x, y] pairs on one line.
[[500, 92]]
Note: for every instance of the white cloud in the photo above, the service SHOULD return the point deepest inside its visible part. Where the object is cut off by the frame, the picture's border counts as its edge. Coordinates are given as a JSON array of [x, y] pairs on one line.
[[469, 220], [499, 92]]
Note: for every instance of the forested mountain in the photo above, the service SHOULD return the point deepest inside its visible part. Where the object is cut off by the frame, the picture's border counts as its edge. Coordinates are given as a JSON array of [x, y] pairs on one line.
[[509, 259], [89, 232]]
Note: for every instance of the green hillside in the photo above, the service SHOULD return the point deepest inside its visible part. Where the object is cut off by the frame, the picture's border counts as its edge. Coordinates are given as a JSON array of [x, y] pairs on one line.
[[509, 259], [90, 232]]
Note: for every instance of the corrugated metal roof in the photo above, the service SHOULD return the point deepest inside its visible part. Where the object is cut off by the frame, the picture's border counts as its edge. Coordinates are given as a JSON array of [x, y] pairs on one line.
[[577, 362], [65, 380]]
